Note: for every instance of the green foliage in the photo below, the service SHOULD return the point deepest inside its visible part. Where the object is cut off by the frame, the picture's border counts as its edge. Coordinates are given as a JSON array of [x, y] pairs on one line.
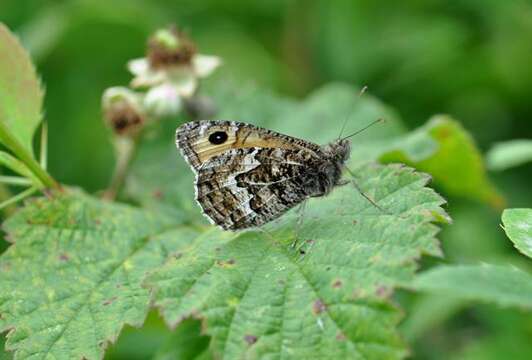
[[507, 335], [79, 263], [441, 148], [254, 289], [444, 149], [155, 341], [518, 227], [21, 95], [509, 154], [3, 354], [337, 280], [469, 59], [72, 278], [186, 343], [16, 166], [21, 98], [501, 285]]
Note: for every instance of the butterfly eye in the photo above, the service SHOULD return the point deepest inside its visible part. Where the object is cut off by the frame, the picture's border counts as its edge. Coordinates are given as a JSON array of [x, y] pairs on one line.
[[218, 137]]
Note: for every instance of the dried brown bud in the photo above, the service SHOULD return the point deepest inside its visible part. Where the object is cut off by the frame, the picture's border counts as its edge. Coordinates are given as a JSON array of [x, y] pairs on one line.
[[168, 47], [122, 112]]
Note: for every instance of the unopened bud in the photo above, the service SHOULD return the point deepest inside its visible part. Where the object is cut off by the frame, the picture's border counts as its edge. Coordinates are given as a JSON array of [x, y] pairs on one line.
[[122, 111]]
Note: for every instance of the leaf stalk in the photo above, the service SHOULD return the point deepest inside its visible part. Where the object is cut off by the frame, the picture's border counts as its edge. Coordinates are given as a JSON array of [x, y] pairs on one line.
[[26, 157]]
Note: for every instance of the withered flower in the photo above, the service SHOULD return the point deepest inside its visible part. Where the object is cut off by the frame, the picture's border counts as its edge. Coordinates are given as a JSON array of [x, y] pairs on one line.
[[122, 111], [171, 61]]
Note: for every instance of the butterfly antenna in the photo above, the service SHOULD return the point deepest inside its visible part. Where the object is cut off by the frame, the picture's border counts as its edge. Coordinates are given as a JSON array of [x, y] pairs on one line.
[[348, 115], [364, 128]]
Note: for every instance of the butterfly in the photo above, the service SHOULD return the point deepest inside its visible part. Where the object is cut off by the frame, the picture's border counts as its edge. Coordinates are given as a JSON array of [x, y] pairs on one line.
[[247, 176]]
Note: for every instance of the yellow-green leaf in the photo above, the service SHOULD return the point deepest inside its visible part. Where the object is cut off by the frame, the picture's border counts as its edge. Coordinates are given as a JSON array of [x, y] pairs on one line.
[[518, 226], [21, 94], [444, 149]]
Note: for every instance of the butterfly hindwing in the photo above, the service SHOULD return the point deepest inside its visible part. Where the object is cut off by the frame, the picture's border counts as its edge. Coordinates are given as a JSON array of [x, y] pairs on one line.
[[248, 187]]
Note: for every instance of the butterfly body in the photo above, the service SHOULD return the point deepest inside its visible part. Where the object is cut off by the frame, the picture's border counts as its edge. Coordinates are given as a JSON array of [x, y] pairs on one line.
[[247, 176]]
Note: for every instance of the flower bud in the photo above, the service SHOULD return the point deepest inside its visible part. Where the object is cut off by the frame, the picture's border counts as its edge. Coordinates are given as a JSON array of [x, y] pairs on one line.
[[122, 111]]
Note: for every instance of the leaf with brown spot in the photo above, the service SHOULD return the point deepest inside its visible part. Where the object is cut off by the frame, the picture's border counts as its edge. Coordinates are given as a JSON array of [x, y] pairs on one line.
[[273, 288], [88, 258]]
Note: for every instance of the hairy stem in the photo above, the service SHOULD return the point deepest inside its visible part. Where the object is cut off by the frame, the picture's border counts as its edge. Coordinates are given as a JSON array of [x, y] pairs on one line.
[[125, 149]]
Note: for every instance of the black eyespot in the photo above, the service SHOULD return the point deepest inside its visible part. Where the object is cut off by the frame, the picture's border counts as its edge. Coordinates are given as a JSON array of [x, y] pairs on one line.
[[218, 137]]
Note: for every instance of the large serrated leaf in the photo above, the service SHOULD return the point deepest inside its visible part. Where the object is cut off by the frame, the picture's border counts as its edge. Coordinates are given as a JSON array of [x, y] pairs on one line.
[[21, 94], [71, 280], [518, 226], [326, 297], [501, 285], [73, 277], [257, 294]]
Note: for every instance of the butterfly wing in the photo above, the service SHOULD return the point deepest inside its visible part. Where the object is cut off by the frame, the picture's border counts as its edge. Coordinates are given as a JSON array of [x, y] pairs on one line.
[[253, 177]]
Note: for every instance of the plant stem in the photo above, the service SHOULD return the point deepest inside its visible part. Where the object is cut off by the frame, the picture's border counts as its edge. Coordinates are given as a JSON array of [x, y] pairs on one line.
[[5, 195], [15, 180], [43, 154], [18, 197], [125, 149], [26, 157]]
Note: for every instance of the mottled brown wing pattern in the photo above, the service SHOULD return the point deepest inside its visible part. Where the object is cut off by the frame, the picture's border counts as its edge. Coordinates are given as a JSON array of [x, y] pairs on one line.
[[260, 176], [249, 187]]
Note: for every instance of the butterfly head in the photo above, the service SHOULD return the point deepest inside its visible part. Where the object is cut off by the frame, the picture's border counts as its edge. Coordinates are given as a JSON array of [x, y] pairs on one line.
[[338, 151]]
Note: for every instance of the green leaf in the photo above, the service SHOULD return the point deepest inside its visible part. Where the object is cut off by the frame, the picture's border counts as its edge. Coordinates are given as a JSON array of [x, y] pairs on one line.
[[444, 149], [21, 98], [509, 154], [518, 226], [71, 280], [254, 292], [155, 341], [73, 277], [21, 94], [501, 285], [427, 312], [3, 355], [329, 295], [186, 343]]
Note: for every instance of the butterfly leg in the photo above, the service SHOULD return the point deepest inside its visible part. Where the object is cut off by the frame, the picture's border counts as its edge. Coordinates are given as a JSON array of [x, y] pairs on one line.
[[370, 200], [299, 222], [267, 233]]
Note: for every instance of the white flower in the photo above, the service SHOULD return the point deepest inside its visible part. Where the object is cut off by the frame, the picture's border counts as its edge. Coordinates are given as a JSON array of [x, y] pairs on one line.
[[163, 100], [185, 77], [204, 65]]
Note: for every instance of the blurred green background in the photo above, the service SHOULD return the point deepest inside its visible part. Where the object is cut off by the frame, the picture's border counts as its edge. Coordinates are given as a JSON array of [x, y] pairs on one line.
[[468, 58]]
